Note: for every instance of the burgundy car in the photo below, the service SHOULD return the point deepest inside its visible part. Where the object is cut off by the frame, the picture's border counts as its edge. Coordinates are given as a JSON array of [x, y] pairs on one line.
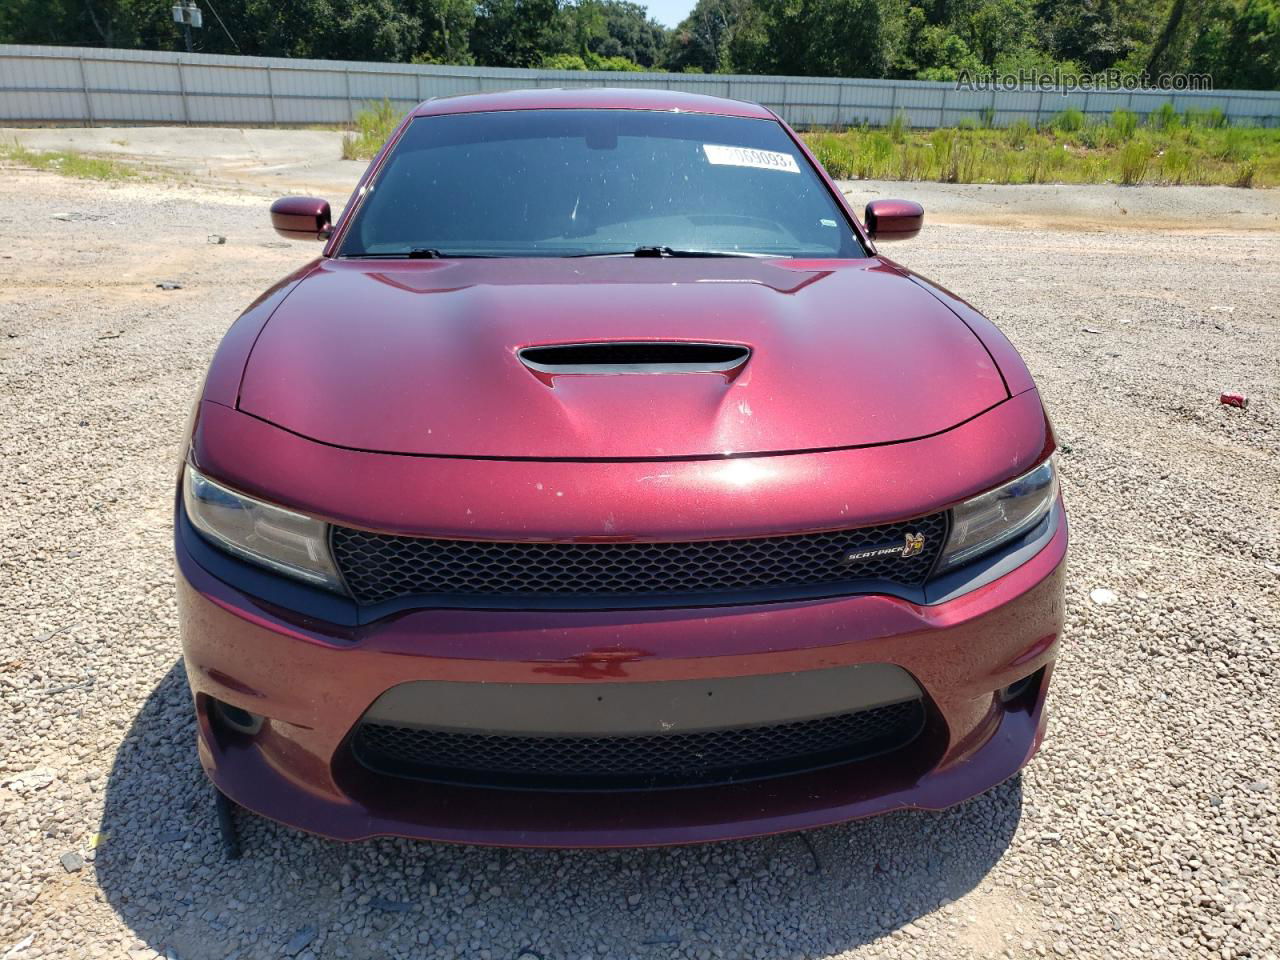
[[602, 484]]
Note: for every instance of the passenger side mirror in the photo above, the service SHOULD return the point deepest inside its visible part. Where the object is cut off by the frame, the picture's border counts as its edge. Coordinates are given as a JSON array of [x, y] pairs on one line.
[[893, 219], [302, 218]]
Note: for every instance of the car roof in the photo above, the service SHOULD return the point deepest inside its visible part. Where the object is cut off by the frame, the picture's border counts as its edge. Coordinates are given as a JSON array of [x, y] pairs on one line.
[[592, 98]]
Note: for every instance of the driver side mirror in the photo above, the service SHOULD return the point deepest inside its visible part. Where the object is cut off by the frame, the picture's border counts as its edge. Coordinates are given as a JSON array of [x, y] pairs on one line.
[[893, 219], [302, 218]]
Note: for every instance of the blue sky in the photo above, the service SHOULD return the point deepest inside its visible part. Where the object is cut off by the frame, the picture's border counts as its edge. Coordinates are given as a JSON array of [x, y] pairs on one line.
[[668, 12]]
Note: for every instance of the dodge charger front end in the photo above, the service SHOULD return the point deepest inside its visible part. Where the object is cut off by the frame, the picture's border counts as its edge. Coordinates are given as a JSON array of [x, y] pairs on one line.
[[602, 484]]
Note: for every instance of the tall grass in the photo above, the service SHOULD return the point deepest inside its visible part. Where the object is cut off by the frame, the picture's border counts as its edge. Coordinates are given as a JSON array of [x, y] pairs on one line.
[[372, 127], [1017, 134], [1068, 121], [1163, 118], [1245, 173], [874, 157], [1123, 125], [1211, 119], [1233, 147], [1118, 151], [1135, 158], [897, 128], [1175, 164]]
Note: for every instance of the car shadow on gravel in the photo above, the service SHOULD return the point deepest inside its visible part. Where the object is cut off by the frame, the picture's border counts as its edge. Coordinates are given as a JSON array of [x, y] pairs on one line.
[[161, 868]]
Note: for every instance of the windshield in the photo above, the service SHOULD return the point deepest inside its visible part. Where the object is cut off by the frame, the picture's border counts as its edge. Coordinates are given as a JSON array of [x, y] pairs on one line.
[[598, 182]]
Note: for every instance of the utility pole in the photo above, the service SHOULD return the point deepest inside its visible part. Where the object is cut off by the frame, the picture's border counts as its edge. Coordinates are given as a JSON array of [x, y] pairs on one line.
[[187, 15]]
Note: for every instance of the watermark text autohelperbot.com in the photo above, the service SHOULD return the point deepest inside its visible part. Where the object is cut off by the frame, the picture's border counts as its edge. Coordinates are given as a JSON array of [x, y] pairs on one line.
[[1065, 82]]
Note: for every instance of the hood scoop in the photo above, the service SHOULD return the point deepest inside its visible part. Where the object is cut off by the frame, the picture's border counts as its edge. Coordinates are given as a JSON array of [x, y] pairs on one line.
[[617, 357]]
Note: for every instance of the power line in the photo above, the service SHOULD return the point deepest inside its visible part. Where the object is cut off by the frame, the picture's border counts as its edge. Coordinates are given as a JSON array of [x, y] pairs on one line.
[[218, 17]]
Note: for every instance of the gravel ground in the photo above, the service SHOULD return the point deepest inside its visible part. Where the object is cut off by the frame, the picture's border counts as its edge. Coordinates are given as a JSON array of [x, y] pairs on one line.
[[1148, 825]]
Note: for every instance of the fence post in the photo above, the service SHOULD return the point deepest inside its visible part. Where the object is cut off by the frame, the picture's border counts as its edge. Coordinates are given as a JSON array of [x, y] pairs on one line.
[[182, 92], [84, 85], [351, 109], [942, 113], [893, 101], [1086, 106], [1039, 107], [842, 86], [271, 96]]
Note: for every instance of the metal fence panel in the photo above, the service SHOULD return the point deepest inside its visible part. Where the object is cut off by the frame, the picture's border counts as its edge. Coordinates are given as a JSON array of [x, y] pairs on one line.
[[97, 86]]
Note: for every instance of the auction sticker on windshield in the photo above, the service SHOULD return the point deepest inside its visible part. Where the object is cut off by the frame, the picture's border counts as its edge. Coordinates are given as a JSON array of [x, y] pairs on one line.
[[747, 157]]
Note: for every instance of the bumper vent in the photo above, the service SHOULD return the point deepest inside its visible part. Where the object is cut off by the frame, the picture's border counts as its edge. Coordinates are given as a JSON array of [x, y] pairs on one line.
[[636, 762], [379, 567]]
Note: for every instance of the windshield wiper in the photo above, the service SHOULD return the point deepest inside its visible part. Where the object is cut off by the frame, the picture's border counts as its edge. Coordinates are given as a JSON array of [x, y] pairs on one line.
[[665, 251]]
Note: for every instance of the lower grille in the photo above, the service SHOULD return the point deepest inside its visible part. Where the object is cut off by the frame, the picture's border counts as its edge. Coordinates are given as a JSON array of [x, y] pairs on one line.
[[381, 567], [636, 762]]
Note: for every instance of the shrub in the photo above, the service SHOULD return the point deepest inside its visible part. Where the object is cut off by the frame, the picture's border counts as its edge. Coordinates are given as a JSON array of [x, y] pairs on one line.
[[874, 156], [372, 127], [1212, 119], [943, 141], [1094, 135], [898, 127], [835, 155], [1135, 157], [1123, 125], [964, 159], [1068, 121], [1163, 118], [1245, 172], [563, 61], [915, 163], [1233, 146], [1017, 133], [1093, 170], [1175, 165], [1045, 159]]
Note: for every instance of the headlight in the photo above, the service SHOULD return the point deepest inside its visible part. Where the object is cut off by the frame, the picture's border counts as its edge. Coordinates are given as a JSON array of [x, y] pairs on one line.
[[291, 543], [983, 523]]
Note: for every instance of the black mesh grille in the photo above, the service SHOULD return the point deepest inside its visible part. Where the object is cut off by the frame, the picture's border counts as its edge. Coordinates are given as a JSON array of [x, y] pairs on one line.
[[715, 756], [379, 567]]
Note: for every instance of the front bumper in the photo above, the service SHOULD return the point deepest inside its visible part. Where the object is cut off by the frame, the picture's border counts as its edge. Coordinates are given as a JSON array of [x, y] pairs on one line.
[[313, 682]]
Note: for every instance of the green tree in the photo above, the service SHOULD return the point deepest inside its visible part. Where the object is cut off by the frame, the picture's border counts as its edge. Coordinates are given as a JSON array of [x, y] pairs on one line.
[[1251, 57], [704, 41], [830, 38], [517, 33], [629, 32], [446, 30], [1096, 34]]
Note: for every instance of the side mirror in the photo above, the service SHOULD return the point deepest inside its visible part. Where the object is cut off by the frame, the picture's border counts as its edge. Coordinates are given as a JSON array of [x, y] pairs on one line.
[[301, 218], [893, 219]]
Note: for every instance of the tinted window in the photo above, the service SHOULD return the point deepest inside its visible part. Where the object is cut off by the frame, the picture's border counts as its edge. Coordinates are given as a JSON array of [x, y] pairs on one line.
[[574, 182]]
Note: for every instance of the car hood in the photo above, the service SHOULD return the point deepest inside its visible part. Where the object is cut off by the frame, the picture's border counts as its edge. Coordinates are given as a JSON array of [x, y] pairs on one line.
[[421, 357]]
